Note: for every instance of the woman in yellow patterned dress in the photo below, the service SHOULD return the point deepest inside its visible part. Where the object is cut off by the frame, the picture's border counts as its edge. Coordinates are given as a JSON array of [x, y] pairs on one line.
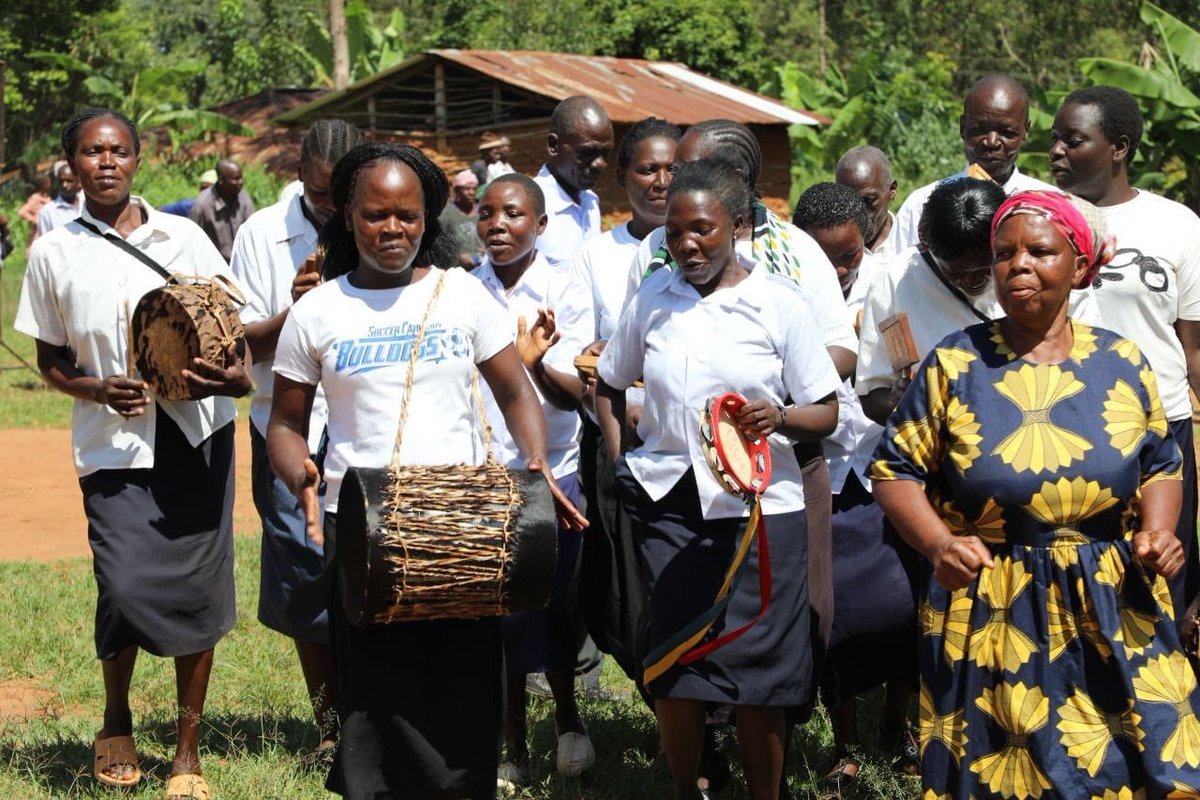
[[1031, 464]]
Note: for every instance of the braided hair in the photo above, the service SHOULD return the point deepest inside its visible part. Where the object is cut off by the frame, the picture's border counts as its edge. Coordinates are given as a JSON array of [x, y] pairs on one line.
[[648, 128], [74, 128], [735, 144], [337, 239], [716, 177], [328, 140]]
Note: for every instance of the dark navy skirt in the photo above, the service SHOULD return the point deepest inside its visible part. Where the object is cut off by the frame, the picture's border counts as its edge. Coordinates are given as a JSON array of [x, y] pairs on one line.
[[684, 560], [874, 636], [162, 546]]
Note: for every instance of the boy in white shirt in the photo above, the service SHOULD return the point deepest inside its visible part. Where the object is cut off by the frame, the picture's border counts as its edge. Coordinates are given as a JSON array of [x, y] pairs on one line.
[[552, 319]]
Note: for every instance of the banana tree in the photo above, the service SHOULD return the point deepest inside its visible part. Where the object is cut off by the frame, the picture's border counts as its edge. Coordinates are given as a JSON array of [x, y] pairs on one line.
[[372, 49], [1167, 89], [155, 97]]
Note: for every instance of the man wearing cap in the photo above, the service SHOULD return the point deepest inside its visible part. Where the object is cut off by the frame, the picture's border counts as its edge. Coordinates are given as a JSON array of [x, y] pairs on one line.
[[458, 219], [578, 147], [65, 207], [493, 158], [221, 209], [181, 208]]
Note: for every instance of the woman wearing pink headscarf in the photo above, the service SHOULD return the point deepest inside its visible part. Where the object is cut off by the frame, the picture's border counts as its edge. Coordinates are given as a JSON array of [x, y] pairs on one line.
[[1031, 464]]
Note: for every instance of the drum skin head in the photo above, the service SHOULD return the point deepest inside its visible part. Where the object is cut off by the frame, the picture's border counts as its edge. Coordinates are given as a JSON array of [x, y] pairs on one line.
[[169, 327], [367, 586], [742, 466]]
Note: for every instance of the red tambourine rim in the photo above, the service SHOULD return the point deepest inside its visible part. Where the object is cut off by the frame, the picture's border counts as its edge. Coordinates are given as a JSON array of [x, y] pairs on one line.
[[759, 449]]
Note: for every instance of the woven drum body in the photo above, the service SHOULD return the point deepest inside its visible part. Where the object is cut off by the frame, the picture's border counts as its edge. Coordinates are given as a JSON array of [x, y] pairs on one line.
[[458, 542], [176, 323]]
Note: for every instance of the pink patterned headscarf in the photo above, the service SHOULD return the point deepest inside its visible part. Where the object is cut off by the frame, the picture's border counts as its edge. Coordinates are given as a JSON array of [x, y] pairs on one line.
[[1075, 218]]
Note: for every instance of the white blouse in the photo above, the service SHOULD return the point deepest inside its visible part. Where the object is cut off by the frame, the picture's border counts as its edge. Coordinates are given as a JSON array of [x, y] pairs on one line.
[[757, 339]]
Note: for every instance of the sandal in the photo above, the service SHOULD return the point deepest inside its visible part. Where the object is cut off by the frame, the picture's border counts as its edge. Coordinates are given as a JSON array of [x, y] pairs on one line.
[[842, 774], [907, 753], [113, 752], [188, 786]]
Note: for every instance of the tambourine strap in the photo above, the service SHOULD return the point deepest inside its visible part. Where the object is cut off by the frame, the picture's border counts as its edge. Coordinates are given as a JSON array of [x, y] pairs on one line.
[[682, 647]]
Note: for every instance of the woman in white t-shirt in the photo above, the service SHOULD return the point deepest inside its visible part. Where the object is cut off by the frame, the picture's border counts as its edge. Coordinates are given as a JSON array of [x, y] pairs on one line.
[[156, 474], [1150, 291], [420, 702], [708, 327]]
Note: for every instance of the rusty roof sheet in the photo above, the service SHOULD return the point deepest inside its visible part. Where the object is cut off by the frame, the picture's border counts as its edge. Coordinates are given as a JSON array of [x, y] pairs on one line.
[[630, 89]]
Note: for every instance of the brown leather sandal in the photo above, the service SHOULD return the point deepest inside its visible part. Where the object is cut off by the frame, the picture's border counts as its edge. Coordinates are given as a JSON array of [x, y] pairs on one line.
[[842, 774]]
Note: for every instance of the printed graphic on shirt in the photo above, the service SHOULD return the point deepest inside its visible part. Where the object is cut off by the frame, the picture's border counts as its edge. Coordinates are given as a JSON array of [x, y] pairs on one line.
[[1152, 274], [388, 345]]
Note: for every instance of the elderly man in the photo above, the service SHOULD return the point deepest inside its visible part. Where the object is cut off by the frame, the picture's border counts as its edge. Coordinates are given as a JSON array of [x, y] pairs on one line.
[[65, 207], [994, 125], [458, 219], [222, 209], [867, 171], [579, 145]]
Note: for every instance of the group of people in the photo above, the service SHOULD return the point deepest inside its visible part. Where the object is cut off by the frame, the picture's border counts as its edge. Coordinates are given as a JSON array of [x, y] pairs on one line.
[[1003, 522]]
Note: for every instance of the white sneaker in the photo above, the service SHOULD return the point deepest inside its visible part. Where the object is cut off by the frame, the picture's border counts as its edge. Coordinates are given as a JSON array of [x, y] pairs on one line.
[[575, 754], [509, 777]]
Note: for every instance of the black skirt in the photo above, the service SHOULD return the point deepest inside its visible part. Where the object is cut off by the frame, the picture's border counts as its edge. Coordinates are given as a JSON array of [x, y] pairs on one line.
[[684, 560], [874, 632], [421, 704], [162, 546]]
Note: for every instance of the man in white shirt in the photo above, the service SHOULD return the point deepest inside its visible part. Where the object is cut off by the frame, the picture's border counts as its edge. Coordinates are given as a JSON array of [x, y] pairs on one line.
[[867, 170], [994, 125], [65, 207], [271, 260], [579, 145]]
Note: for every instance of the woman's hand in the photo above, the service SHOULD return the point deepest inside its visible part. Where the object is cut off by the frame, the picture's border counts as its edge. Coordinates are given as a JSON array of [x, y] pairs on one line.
[[126, 396], [759, 418], [533, 343], [1159, 550], [208, 379], [958, 559], [568, 515]]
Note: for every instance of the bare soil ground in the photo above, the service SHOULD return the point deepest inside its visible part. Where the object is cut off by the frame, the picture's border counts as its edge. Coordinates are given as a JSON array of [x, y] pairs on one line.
[[41, 508]]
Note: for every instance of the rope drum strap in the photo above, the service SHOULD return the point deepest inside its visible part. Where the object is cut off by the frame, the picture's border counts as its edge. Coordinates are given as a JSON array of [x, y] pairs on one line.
[[743, 468]]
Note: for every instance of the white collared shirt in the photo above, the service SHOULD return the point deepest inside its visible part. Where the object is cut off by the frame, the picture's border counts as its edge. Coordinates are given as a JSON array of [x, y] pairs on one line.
[[603, 267], [905, 229], [569, 224], [756, 338], [817, 283], [543, 286], [850, 447], [908, 284], [270, 247], [58, 212], [80, 292], [890, 246]]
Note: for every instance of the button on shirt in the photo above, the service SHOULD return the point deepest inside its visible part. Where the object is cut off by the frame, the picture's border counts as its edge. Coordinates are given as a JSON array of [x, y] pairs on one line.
[[269, 250], [569, 224], [80, 291], [58, 212], [905, 229], [756, 338], [220, 219], [543, 286]]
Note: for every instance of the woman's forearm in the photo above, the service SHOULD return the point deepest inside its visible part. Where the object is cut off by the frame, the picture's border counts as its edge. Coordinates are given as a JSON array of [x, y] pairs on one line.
[[915, 519], [562, 390], [610, 416], [1160, 505], [64, 375], [812, 422]]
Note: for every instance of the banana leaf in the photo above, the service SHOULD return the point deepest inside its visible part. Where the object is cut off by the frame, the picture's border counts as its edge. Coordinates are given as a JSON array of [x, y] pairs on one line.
[[1150, 84], [1183, 39]]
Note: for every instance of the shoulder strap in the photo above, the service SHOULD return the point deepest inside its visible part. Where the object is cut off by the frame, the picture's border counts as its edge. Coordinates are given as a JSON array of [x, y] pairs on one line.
[[950, 287], [117, 241]]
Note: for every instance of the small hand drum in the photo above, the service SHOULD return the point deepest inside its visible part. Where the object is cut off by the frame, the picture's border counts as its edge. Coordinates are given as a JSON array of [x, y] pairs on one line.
[[741, 465]]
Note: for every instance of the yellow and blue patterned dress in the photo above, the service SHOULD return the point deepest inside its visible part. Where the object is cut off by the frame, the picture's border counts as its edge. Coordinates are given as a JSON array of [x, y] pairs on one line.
[[1058, 672]]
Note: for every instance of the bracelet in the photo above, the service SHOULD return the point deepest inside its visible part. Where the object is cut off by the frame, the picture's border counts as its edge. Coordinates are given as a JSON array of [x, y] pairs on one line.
[[782, 415]]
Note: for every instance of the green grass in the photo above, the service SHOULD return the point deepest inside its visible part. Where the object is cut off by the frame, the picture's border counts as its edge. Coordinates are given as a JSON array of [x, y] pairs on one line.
[[257, 723]]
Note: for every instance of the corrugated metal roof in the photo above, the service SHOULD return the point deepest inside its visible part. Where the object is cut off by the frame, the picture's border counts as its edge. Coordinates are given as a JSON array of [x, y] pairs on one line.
[[630, 89]]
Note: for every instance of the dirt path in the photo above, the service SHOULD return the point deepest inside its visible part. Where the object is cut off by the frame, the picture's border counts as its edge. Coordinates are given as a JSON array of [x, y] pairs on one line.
[[41, 509]]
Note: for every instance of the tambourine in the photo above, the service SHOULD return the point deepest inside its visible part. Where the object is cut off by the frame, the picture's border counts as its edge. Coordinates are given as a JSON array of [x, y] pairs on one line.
[[741, 465]]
